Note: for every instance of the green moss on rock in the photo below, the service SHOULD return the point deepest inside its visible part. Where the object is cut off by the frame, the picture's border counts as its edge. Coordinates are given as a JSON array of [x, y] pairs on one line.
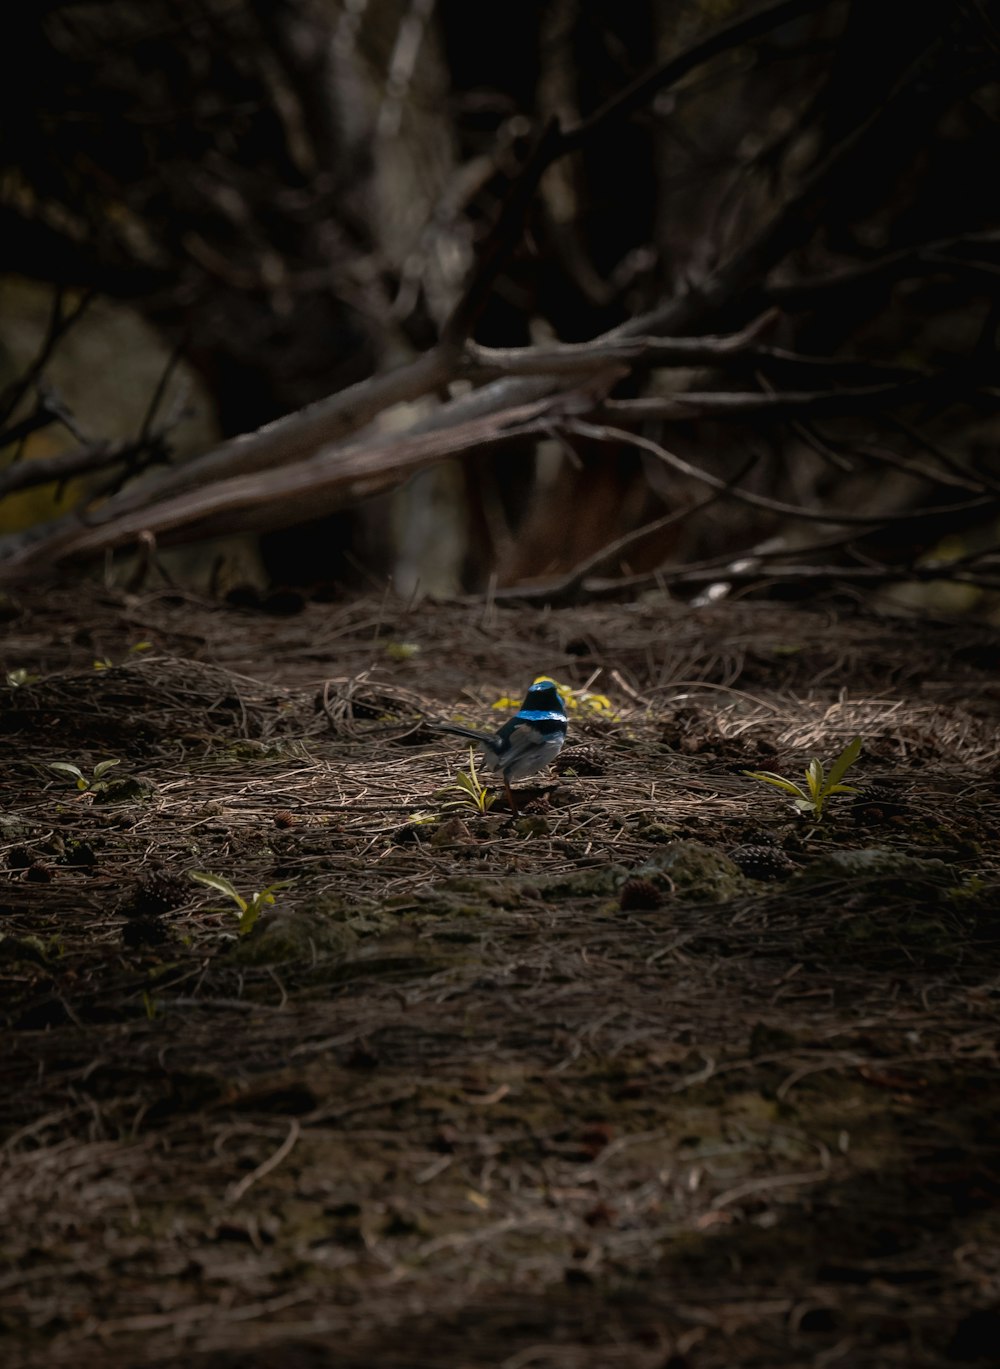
[[285, 936], [696, 873]]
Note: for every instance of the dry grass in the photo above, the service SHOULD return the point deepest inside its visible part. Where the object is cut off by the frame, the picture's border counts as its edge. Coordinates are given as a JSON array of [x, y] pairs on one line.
[[484, 1115]]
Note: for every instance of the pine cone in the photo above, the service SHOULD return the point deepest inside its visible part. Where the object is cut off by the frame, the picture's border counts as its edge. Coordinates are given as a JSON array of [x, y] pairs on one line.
[[156, 893], [762, 862], [639, 895], [875, 801], [582, 760]]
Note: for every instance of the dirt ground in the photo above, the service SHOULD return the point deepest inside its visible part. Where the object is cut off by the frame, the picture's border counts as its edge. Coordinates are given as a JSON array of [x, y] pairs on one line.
[[657, 1074]]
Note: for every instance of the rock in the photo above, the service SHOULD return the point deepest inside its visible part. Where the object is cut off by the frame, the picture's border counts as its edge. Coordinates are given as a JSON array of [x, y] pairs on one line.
[[694, 873], [128, 789], [299, 935], [875, 863]]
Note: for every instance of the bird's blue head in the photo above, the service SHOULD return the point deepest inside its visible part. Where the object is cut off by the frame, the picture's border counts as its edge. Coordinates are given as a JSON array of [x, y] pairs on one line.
[[543, 699]]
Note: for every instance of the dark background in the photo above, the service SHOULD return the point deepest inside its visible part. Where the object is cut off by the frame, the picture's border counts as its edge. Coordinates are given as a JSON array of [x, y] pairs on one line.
[[293, 194]]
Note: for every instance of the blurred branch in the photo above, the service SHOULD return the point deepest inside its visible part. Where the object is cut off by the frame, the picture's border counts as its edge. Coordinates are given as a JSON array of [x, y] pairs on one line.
[[295, 437], [922, 259], [132, 456], [640, 92], [35, 249], [720, 404], [554, 143], [858, 575], [206, 496], [503, 236], [42, 416], [331, 452], [791, 224], [565, 588], [758, 568], [483, 363], [726, 351], [606, 433], [61, 320], [96, 456], [951, 463], [277, 497], [914, 468]]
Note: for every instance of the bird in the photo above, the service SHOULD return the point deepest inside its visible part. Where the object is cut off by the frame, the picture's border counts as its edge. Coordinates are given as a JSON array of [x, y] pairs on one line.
[[526, 743]]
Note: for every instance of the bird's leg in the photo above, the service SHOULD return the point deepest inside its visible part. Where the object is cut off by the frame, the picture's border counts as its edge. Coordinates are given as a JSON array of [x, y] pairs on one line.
[[510, 797]]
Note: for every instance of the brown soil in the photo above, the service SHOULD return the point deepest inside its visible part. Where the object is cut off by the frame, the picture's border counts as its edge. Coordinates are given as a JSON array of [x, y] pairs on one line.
[[595, 1086]]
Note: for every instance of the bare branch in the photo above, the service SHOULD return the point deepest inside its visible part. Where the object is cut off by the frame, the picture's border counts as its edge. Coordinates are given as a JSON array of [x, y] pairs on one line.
[[922, 259], [724, 351], [61, 320], [564, 588], [285, 495], [640, 92], [297, 436], [553, 143], [503, 236], [760, 567], [950, 462], [605, 433], [40, 417], [24, 475], [858, 575], [572, 358], [720, 404], [328, 453], [792, 224]]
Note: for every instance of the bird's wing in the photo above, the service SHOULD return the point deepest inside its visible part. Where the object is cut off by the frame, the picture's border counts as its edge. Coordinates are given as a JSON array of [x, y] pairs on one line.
[[521, 737]]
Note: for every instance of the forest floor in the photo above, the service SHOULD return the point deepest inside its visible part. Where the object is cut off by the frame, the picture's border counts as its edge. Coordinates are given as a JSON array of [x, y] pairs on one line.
[[592, 1086]]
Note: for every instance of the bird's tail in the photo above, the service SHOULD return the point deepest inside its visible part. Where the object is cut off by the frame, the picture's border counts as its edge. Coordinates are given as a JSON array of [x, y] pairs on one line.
[[469, 733]]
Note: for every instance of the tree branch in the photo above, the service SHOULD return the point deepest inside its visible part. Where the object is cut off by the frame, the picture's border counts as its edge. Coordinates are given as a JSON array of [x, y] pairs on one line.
[[759, 567], [922, 259], [282, 496], [669, 73], [328, 453], [605, 433], [722, 352], [24, 475], [778, 405], [564, 588]]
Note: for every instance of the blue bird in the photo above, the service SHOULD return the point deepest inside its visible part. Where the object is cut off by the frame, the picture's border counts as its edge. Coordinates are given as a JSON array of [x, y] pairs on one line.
[[526, 743]]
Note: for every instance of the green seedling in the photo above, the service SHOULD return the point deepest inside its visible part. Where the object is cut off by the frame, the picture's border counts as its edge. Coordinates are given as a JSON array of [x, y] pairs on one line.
[[469, 789], [401, 651], [94, 784], [250, 908], [106, 663], [820, 786]]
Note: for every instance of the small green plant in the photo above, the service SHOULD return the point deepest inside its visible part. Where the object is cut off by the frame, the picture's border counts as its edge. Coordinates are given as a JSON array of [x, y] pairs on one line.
[[820, 786], [106, 663], [94, 784], [250, 908], [20, 677], [401, 651], [470, 790]]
